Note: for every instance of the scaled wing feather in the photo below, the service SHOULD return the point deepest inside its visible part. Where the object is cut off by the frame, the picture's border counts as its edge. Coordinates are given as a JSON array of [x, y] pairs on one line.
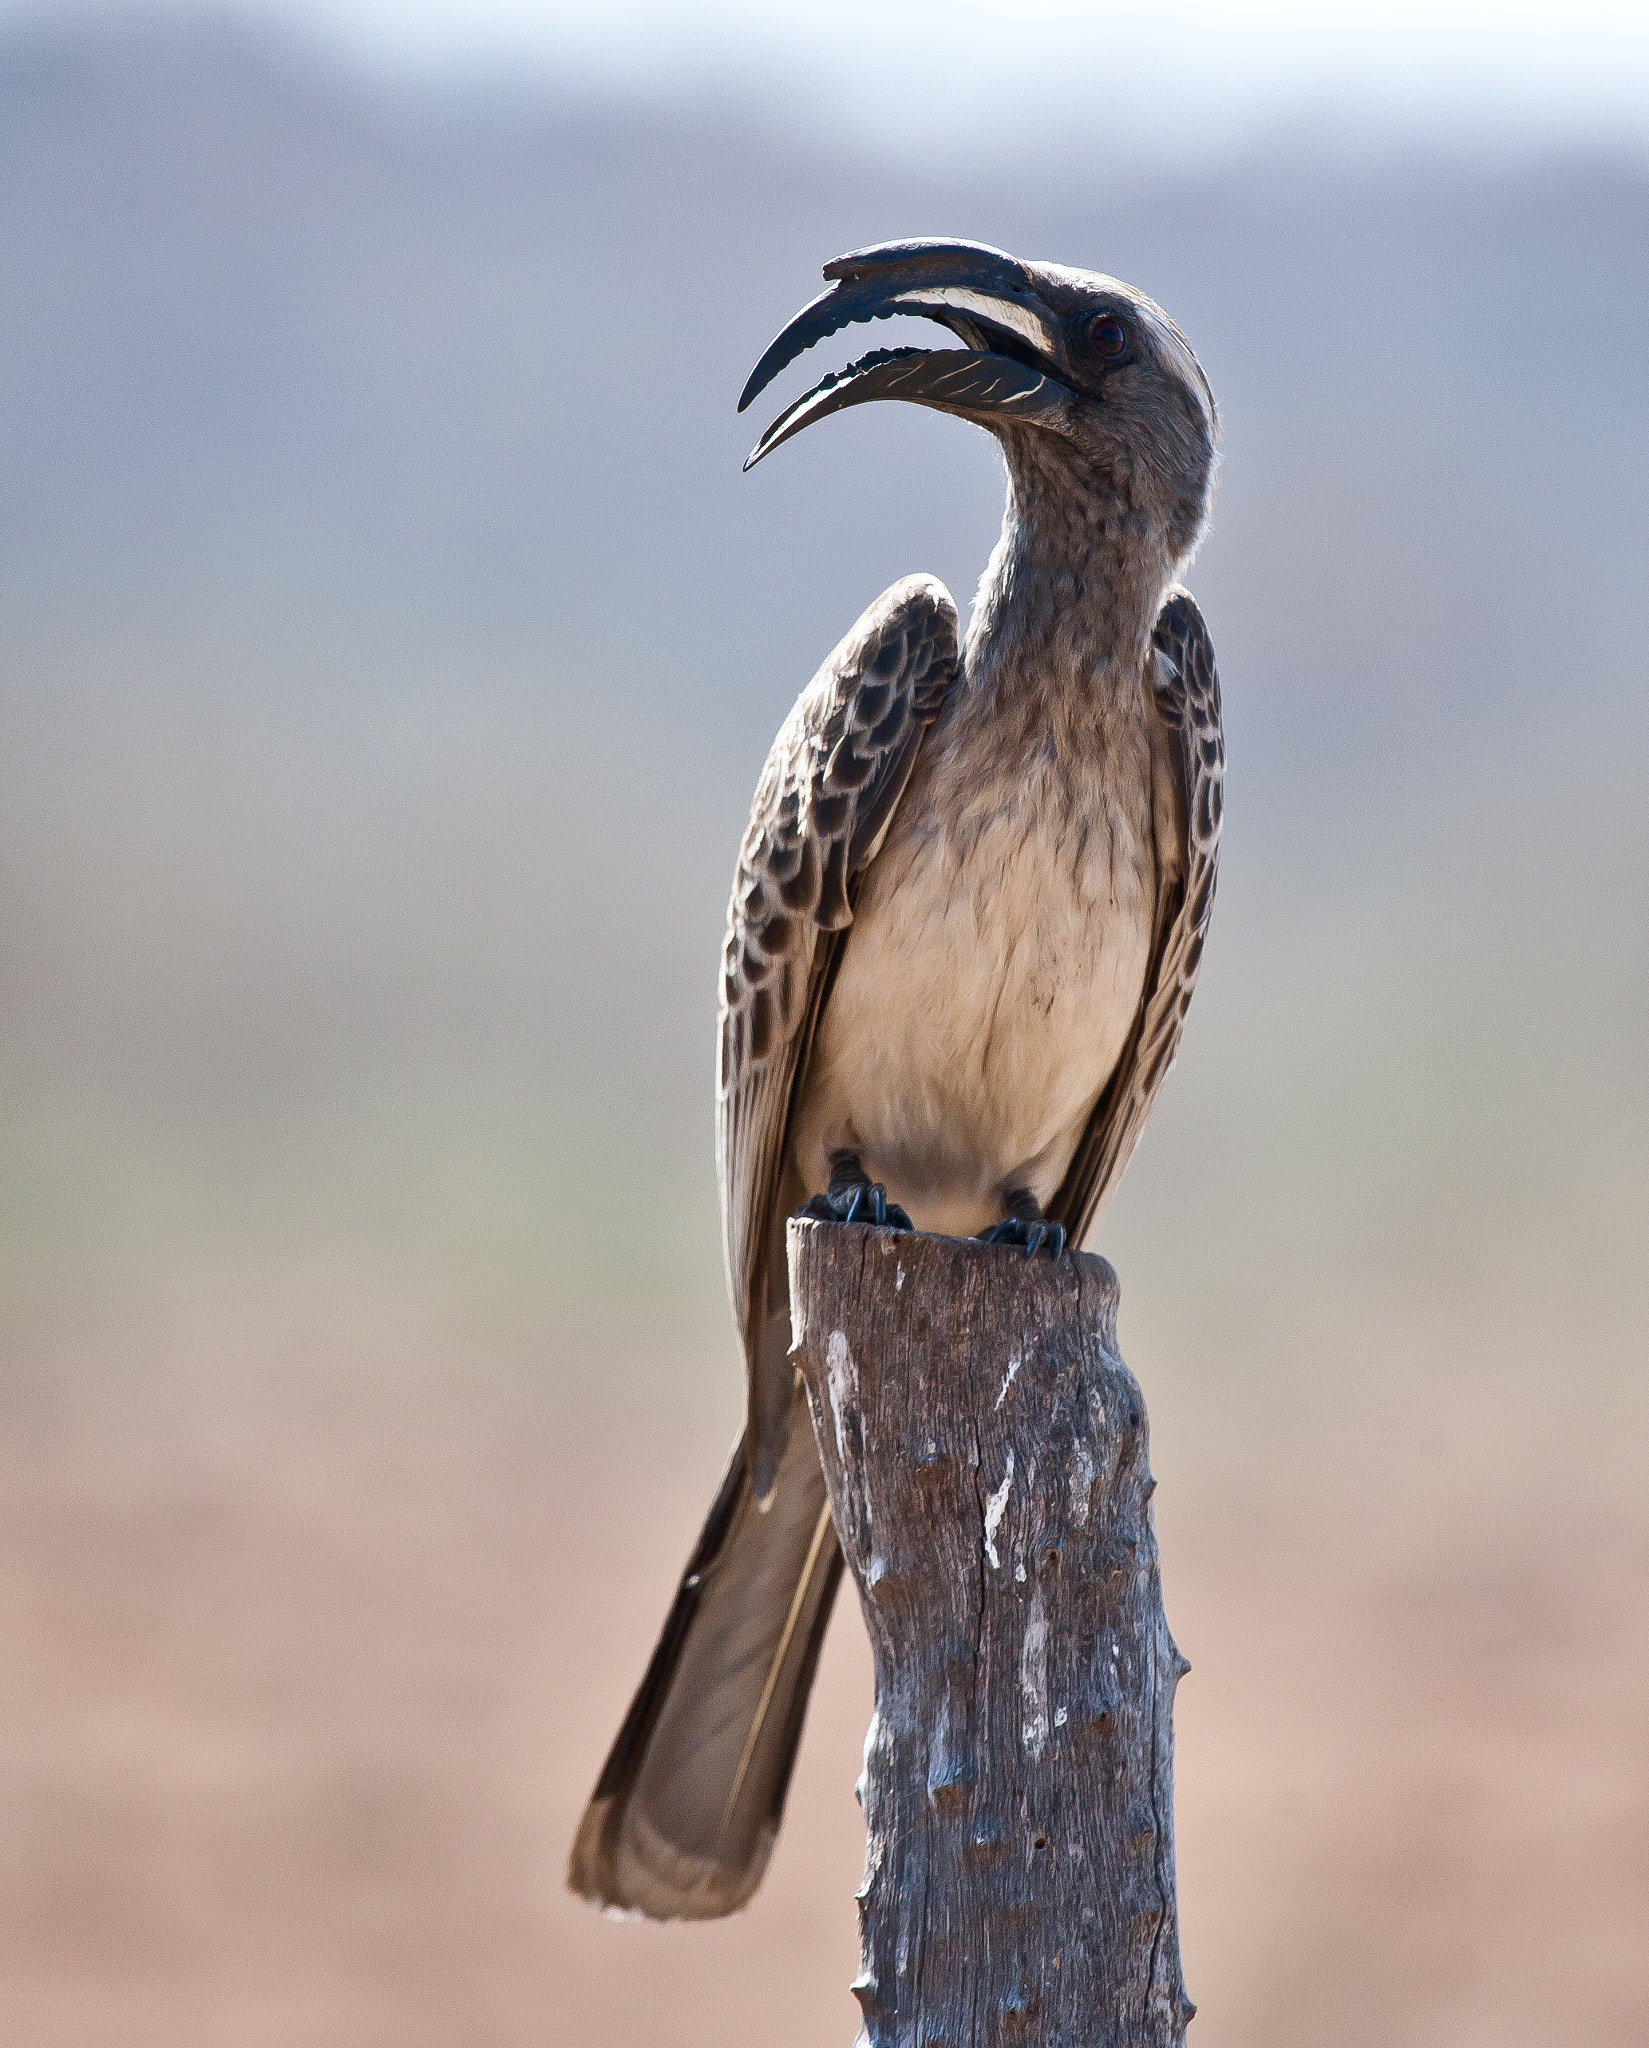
[[822, 809]]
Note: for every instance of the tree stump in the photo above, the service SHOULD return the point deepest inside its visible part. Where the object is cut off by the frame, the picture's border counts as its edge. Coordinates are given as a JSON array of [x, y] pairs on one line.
[[985, 1451]]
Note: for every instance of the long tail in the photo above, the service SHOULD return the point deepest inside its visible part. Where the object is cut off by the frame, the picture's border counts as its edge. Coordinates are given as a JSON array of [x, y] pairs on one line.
[[687, 1806]]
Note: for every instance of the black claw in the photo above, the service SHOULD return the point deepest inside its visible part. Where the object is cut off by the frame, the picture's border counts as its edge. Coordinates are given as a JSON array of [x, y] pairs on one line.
[[858, 1202], [1035, 1233]]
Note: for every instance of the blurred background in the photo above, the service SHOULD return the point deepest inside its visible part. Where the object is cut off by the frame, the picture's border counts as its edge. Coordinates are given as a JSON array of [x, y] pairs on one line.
[[388, 648]]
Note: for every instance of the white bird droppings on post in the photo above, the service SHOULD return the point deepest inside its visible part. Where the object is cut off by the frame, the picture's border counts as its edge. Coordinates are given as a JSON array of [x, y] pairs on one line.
[[1033, 1677], [898, 1278], [939, 1757], [861, 1782], [843, 1380], [1082, 1482], [995, 1508], [1008, 1380]]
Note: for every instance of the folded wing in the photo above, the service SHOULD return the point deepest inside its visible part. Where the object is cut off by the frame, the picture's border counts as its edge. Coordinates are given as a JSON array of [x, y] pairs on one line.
[[826, 797]]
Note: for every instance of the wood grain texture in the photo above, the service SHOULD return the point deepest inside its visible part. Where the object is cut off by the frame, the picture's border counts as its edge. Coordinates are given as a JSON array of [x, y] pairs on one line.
[[985, 1449]]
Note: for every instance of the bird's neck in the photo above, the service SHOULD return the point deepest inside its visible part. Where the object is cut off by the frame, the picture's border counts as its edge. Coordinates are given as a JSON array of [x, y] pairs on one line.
[[1074, 585]]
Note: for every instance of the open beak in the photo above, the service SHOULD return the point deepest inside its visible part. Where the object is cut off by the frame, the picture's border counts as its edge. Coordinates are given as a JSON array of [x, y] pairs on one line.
[[988, 299]]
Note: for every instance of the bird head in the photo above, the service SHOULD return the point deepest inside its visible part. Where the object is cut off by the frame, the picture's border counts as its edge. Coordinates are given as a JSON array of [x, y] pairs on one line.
[[1074, 372]]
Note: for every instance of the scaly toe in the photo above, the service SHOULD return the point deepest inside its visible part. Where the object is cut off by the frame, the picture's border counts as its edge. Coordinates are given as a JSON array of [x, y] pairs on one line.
[[1038, 1235], [863, 1202], [885, 1215]]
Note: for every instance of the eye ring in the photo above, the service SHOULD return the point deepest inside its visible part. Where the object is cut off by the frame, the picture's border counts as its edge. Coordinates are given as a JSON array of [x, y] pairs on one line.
[[1107, 336]]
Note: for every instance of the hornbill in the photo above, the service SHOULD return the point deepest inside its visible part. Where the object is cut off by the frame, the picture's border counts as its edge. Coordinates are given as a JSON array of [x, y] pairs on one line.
[[966, 920]]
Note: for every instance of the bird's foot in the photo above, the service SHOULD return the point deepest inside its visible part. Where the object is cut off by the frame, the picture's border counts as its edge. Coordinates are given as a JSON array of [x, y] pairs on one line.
[[853, 1197], [865, 1203], [1027, 1225]]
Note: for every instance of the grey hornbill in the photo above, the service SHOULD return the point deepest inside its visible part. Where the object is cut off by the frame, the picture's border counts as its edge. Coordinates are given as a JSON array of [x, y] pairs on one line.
[[966, 920]]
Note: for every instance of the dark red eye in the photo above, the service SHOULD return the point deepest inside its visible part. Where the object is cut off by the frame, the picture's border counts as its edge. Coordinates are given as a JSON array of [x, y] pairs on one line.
[[1106, 335]]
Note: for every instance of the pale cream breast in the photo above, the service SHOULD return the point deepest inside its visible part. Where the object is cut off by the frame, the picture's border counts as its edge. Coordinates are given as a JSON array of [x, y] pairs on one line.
[[990, 979]]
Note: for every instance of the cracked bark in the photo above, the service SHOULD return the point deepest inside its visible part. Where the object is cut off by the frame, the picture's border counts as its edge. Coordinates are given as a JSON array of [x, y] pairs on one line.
[[985, 1450]]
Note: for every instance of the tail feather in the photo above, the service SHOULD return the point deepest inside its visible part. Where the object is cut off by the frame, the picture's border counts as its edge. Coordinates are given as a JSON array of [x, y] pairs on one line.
[[684, 1814]]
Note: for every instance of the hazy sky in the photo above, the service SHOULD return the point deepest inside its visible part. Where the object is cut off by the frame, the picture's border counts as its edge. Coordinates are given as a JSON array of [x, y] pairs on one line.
[[1187, 71]]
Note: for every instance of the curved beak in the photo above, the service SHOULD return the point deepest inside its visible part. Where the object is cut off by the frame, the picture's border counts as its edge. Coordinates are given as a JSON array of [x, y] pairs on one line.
[[987, 298]]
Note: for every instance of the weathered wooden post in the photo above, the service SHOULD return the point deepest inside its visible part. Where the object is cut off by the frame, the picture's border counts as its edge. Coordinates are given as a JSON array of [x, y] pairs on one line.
[[985, 1450]]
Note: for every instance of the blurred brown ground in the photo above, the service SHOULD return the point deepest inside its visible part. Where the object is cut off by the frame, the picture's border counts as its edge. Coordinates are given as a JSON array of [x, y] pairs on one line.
[[320, 1609]]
